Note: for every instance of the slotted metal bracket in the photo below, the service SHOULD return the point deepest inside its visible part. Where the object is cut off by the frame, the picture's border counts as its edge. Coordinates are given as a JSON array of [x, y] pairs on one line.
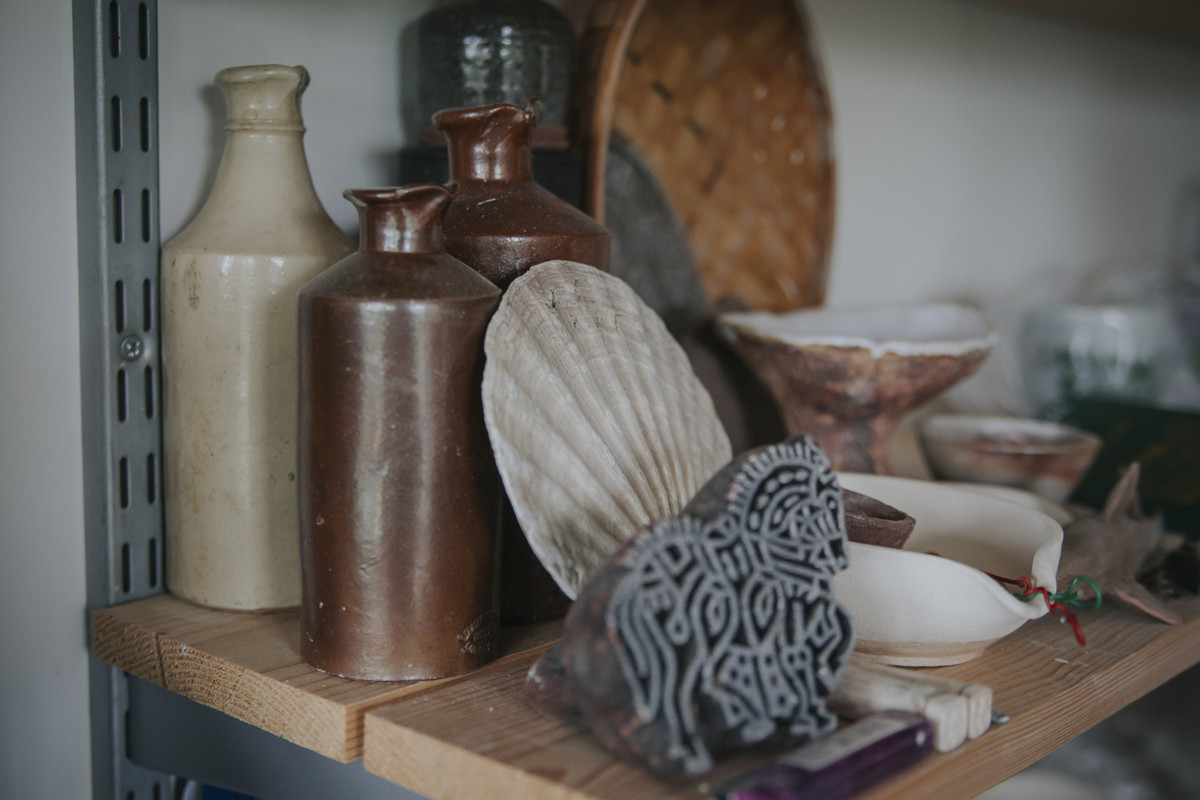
[[116, 144]]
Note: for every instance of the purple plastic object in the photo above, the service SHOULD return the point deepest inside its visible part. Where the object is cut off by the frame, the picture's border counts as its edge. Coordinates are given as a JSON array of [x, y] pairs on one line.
[[842, 764]]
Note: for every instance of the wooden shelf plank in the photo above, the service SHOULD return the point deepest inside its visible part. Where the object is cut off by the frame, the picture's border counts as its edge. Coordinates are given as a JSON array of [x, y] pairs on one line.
[[481, 736], [465, 736], [1053, 690], [249, 666]]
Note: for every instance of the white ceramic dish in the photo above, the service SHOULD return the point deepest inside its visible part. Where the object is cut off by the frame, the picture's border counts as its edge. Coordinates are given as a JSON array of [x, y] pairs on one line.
[[914, 608], [1021, 497]]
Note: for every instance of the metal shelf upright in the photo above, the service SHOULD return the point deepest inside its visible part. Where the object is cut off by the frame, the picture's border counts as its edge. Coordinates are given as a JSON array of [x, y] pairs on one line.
[[136, 726], [116, 156]]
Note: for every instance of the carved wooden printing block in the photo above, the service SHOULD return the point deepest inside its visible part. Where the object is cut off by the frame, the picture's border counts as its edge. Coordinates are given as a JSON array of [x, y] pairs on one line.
[[715, 630]]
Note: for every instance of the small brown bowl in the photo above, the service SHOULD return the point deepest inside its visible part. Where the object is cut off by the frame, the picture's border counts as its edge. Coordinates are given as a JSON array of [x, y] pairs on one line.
[[1046, 458]]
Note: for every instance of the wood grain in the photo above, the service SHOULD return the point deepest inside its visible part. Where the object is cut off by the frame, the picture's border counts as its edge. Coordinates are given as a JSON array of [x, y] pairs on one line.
[[249, 666], [477, 735], [480, 736], [1054, 690], [483, 738]]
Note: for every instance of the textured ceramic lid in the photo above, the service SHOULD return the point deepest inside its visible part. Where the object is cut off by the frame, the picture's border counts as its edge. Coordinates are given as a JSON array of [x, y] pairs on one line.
[[495, 51]]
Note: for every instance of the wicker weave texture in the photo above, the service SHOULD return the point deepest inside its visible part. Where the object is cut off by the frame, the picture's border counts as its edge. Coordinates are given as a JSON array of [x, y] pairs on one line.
[[727, 103]]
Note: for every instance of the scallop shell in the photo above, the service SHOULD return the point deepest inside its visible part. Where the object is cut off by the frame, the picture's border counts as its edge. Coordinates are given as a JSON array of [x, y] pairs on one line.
[[598, 423]]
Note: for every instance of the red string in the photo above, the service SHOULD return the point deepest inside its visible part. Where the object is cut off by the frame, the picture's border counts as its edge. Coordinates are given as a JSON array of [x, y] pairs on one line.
[[1028, 590]]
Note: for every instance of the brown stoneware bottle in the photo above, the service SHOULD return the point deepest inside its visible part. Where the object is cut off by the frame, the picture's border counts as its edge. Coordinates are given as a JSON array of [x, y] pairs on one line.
[[502, 223], [399, 495]]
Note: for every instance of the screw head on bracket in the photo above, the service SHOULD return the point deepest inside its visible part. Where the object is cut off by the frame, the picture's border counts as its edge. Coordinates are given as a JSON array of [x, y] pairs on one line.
[[131, 348]]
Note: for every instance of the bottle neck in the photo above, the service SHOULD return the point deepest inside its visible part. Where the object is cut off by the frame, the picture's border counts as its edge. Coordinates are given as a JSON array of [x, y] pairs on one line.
[[403, 219], [386, 230], [474, 159], [265, 170], [488, 143]]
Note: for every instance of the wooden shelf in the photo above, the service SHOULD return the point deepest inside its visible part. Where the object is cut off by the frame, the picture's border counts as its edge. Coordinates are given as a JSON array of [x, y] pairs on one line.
[[249, 666], [476, 735]]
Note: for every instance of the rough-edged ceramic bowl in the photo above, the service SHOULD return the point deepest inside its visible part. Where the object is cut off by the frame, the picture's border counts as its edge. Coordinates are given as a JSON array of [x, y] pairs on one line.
[[847, 376], [1046, 458], [933, 603]]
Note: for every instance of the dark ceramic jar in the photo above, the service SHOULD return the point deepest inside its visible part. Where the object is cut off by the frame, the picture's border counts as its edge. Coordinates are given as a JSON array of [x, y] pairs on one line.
[[478, 52], [399, 496], [502, 223]]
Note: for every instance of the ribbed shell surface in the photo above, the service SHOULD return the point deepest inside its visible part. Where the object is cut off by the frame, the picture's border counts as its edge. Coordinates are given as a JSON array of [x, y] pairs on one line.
[[598, 423]]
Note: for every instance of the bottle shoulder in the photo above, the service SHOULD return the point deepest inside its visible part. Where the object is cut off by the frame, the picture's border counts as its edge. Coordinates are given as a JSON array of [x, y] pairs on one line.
[[365, 277], [492, 208], [230, 230], [262, 201]]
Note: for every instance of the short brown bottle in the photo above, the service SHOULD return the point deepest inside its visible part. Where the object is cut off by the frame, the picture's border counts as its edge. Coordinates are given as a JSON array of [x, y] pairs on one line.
[[501, 222], [399, 495]]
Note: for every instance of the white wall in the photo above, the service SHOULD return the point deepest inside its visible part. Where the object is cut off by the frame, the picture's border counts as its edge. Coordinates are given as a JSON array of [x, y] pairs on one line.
[[985, 154], [1004, 159], [351, 107], [979, 148], [43, 651]]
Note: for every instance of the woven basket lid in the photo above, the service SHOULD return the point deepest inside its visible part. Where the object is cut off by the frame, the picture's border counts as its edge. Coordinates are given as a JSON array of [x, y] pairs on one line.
[[727, 104]]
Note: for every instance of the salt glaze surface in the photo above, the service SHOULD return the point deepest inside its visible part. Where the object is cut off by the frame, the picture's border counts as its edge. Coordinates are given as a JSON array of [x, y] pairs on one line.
[[229, 284], [715, 630], [598, 423]]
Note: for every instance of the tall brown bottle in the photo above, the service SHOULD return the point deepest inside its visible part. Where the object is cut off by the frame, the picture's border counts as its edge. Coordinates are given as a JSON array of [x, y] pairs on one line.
[[399, 496], [502, 223]]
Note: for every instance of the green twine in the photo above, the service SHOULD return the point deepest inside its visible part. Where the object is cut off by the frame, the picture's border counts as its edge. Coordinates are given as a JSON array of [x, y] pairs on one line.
[[1070, 595], [1067, 597]]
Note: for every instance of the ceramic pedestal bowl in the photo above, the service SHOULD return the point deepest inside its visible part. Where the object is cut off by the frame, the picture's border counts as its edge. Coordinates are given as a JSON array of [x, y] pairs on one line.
[[913, 608], [1046, 458], [847, 376]]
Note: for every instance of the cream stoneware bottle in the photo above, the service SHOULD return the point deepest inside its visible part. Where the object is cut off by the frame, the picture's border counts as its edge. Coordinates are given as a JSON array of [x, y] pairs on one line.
[[229, 292]]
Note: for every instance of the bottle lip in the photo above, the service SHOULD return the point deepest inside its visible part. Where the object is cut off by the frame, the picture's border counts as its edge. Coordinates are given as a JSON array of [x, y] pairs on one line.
[[264, 97], [372, 196], [257, 73], [486, 114]]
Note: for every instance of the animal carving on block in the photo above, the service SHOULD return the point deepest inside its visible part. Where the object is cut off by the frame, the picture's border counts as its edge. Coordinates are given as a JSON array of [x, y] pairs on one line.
[[717, 629]]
